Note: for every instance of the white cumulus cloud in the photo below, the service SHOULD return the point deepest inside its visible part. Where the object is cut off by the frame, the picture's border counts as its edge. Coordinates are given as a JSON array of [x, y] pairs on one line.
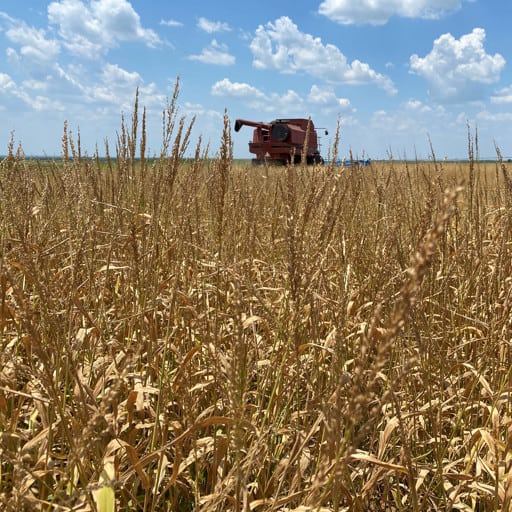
[[171, 23], [283, 47], [215, 53], [212, 26], [33, 43], [6, 82], [458, 69], [326, 98], [502, 96], [91, 28], [36, 102], [117, 87], [378, 12], [226, 87], [494, 117], [323, 98], [290, 102]]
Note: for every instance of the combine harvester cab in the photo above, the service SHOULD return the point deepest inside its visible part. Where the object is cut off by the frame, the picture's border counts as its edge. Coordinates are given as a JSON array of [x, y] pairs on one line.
[[282, 141]]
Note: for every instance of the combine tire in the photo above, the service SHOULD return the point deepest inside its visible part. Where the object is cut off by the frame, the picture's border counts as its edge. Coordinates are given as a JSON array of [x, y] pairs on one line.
[[315, 160]]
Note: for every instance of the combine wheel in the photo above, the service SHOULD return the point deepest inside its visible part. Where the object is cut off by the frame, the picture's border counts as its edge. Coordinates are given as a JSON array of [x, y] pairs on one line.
[[315, 160]]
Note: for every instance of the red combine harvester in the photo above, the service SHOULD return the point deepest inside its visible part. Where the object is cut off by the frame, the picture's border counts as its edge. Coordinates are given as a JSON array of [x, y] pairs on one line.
[[282, 141]]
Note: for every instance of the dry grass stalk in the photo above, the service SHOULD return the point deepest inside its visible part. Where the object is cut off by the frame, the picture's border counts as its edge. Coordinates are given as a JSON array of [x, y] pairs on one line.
[[204, 335]]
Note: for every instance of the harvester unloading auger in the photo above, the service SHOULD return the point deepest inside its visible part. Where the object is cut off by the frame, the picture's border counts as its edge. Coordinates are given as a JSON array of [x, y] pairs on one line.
[[282, 141]]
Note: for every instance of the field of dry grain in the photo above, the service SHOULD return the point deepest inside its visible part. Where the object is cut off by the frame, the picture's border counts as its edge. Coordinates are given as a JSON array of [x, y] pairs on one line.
[[182, 335]]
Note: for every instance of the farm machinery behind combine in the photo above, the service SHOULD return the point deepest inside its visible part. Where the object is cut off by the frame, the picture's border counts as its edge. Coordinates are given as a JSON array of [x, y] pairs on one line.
[[282, 141]]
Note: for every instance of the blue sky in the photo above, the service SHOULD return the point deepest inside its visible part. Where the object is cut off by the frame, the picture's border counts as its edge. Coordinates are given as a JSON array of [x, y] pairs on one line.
[[397, 74]]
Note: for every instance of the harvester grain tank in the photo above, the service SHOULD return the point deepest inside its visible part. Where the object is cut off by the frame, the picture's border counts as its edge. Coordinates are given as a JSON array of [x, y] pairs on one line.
[[282, 141]]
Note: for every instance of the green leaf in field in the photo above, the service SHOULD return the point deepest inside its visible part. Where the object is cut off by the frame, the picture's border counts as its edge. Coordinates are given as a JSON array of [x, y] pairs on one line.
[[104, 499], [105, 496]]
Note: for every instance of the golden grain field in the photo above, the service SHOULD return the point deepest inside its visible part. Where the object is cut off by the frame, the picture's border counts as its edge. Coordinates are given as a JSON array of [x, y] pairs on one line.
[[185, 335]]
